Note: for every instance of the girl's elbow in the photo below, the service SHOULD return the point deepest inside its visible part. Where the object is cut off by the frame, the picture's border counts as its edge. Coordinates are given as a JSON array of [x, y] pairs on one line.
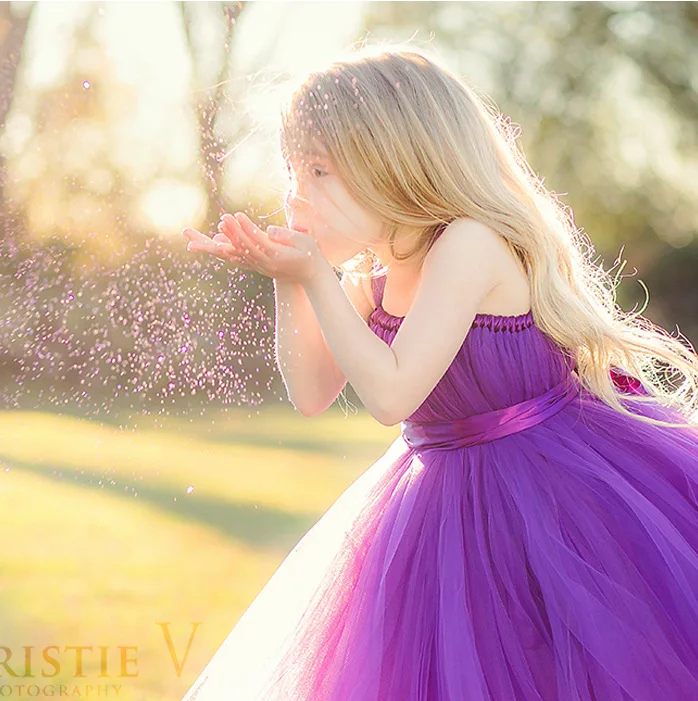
[[379, 414], [386, 416], [384, 421], [400, 409], [389, 409]]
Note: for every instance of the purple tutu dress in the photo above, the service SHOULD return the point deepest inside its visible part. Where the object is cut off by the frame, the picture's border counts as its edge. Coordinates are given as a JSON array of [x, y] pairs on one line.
[[519, 541]]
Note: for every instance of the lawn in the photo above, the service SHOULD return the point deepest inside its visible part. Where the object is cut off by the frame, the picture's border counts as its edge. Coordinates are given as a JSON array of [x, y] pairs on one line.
[[120, 538]]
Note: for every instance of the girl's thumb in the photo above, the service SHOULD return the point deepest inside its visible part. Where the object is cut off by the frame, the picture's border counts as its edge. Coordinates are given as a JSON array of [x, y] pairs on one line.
[[274, 232]]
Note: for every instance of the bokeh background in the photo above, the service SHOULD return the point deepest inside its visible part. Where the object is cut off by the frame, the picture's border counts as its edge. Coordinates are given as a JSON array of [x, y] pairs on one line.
[[154, 474]]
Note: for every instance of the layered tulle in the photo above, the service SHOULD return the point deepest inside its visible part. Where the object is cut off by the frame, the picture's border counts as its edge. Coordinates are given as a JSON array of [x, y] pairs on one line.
[[558, 563]]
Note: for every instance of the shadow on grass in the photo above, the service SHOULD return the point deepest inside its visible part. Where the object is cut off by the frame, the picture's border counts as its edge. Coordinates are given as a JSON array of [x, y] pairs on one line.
[[258, 527], [223, 429]]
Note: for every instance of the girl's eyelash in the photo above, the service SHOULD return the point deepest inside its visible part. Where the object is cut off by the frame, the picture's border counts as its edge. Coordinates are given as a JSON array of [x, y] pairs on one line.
[[312, 169]]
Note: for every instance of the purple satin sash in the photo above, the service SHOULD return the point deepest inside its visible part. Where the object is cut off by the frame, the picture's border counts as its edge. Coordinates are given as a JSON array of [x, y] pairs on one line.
[[481, 428]]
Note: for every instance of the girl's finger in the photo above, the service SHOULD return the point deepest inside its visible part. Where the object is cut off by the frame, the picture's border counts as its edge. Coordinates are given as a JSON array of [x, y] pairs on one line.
[[253, 233], [230, 228], [221, 251], [249, 249], [228, 254], [194, 235], [238, 249], [281, 236]]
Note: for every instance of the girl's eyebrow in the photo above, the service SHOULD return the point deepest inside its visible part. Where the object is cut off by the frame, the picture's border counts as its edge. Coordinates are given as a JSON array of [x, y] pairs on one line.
[[311, 158], [316, 154]]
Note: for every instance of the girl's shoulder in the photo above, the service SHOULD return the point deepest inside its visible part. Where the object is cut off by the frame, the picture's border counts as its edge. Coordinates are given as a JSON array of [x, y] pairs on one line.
[[511, 292]]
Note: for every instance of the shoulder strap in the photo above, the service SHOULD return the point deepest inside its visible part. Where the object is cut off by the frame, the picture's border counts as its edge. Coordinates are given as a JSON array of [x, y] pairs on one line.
[[377, 287]]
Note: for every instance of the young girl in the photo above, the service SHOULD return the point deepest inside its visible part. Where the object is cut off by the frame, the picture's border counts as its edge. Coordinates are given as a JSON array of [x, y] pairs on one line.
[[532, 535]]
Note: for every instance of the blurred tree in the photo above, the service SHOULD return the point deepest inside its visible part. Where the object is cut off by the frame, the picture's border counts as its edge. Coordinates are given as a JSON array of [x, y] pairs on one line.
[[68, 180], [80, 177], [94, 311], [212, 156], [14, 22]]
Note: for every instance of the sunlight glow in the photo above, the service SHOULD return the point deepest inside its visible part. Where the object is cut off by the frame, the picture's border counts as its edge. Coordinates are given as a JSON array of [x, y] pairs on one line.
[[147, 84]]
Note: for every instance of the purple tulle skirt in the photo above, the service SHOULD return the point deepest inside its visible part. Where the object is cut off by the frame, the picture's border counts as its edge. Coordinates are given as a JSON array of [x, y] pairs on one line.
[[555, 562]]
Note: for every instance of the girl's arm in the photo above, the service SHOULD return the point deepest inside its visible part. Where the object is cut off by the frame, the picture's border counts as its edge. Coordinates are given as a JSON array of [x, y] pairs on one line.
[[393, 380], [311, 376]]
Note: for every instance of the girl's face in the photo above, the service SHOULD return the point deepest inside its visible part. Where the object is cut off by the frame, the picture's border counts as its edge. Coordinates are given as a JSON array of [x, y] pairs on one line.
[[318, 202]]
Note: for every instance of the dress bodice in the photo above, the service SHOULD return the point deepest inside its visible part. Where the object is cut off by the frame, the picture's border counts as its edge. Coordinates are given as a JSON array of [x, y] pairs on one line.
[[503, 360]]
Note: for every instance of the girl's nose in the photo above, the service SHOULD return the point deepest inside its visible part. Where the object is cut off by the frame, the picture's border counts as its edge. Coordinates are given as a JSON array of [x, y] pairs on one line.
[[293, 204], [288, 208]]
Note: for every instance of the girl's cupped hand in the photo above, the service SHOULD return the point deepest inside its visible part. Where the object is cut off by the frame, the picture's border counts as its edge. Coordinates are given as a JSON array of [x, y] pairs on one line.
[[284, 254]]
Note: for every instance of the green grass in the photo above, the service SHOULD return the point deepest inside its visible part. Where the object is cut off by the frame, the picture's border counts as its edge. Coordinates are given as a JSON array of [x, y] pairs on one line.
[[103, 543]]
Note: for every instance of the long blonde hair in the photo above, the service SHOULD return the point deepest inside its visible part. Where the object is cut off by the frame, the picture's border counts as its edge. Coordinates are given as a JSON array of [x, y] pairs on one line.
[[419, 147]]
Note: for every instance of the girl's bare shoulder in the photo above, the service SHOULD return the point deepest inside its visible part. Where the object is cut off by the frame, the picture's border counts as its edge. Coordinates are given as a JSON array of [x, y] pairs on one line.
[[510, 295]]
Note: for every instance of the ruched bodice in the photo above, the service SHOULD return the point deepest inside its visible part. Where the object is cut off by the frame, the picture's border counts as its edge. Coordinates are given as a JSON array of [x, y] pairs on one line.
[[527, 363]]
